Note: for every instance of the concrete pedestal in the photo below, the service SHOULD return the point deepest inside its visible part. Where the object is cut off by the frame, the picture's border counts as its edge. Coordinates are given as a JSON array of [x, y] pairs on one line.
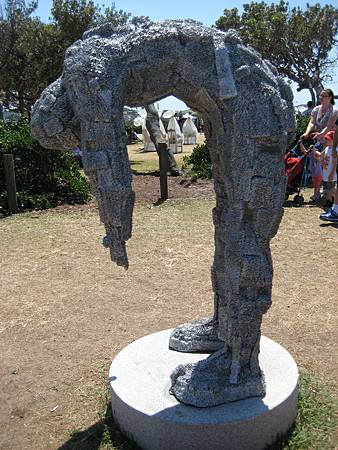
[[139, 379]]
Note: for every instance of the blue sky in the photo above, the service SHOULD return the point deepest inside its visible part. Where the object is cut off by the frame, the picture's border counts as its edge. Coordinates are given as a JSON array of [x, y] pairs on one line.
[[204, 11]]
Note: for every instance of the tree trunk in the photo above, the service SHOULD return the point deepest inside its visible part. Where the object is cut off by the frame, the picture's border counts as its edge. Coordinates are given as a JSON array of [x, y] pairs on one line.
[[21, 104], [313, 96], [318, 87]]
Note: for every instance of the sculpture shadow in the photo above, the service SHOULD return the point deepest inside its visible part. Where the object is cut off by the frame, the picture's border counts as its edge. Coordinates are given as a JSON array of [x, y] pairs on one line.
[[176, 411], [310, 204], [134, 162], [154, 173], [104, 432], [329, 224], [282, 440], [107, 432], [292, 204], [194, 414]]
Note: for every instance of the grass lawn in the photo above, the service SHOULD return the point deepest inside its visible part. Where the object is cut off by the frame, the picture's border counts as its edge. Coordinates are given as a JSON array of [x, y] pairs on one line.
[[66, 311]]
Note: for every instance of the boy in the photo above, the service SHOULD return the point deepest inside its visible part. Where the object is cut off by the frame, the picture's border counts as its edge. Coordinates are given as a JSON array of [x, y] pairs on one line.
[[328, 160], [332, 214]]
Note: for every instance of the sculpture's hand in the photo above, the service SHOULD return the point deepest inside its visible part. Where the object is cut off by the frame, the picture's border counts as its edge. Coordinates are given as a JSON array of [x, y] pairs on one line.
[[117, 246], [116, 213]]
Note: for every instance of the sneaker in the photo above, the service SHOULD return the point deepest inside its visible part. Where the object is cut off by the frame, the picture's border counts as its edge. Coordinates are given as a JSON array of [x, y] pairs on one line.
[[330, 216]]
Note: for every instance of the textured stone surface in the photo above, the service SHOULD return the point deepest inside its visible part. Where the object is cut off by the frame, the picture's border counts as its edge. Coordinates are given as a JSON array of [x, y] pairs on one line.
[[198, 336], [153, 125], [248, 115], [147, 413]]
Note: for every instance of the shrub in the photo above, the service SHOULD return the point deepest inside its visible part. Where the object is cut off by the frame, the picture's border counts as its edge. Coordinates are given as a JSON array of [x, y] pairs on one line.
[[44, 178], [198, 164], [130, 130], [129, 126], [302, 123]]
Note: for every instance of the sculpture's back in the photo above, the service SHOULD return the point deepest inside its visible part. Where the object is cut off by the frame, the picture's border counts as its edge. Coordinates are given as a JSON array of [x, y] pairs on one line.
[[248, 116]]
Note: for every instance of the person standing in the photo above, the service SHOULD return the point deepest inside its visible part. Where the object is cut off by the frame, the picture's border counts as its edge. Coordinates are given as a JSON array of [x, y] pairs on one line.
[[309, 109], [329, 165], [323, 117]]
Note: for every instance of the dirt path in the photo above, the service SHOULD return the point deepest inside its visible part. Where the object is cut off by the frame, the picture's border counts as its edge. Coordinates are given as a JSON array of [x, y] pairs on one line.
[[147, 191], [66, 310]]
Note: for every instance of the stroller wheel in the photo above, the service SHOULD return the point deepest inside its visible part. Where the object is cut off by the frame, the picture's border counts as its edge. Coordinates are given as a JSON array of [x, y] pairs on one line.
[[298, 200]]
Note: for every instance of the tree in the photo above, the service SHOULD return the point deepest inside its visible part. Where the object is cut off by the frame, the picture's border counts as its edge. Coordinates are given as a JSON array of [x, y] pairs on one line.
[[298, 42], [31, 52], [26, 55], [72, 18]]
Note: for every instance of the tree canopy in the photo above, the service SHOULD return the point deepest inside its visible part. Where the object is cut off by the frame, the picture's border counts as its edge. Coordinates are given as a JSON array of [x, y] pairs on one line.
[[71, 18], [300, 43], [31, 52]]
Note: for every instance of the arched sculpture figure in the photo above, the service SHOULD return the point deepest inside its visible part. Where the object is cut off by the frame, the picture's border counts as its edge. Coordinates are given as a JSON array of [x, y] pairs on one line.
[[248, 115]]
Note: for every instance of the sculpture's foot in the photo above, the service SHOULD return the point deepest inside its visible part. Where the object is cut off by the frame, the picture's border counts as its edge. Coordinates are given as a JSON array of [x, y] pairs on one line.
[[206, 383], [200, 336]]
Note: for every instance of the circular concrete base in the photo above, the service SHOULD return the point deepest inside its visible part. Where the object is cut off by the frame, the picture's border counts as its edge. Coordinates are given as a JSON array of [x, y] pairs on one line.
[[139, 379]]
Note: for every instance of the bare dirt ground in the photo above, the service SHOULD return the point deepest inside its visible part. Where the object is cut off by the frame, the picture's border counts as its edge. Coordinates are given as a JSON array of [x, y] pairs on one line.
[[66, 310]]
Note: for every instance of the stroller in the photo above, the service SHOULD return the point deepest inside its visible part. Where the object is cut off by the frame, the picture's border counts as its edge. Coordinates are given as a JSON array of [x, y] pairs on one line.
[[295, 161]]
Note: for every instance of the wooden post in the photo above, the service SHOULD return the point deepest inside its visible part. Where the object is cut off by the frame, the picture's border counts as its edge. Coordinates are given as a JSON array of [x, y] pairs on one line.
[[163, 171], [10, 182]]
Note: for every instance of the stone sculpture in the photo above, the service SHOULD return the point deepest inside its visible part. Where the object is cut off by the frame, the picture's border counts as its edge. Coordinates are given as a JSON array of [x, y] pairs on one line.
[[248, 115], [149, 146], [190, 131], [153, 123], [175, 135], [141, 120]]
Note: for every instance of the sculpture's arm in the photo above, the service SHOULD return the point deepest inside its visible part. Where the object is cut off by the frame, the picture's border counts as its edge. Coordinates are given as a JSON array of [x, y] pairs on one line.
[[53, 121]]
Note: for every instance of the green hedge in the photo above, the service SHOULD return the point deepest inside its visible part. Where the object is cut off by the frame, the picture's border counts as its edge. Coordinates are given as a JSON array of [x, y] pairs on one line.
[[44, 178], [302, 123]]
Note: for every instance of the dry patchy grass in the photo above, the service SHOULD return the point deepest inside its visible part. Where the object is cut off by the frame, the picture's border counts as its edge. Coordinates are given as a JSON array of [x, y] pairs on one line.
[[67, 310]]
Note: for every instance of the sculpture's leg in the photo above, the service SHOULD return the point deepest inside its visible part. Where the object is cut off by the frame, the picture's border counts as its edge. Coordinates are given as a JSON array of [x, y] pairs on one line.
[[242, 282], [203, 335], [218, 379], [199, 336], [242, 279], [233, 372]]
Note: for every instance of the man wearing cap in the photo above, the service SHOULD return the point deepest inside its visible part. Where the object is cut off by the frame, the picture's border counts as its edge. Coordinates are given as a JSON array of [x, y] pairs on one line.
[[332, 214]]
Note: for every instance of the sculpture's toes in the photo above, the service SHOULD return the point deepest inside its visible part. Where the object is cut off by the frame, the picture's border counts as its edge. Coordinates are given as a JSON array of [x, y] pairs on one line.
[[200, 336], [179, 371], [207, 383]]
